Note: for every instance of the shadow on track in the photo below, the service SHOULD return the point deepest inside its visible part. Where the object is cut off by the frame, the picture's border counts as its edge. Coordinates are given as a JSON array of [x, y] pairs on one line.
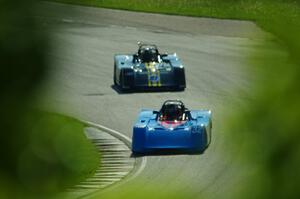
[[118, 90], [167, 152]]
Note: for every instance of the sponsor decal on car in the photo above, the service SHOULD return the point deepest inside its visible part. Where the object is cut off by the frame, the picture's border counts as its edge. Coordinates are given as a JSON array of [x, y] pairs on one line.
[[153, 75]]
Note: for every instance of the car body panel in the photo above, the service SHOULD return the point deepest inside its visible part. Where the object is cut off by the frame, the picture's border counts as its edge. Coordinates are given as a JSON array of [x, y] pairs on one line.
[[149, 134]]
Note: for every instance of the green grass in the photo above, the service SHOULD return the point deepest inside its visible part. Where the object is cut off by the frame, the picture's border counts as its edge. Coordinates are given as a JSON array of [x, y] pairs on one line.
[[52, 154], [234, 9]]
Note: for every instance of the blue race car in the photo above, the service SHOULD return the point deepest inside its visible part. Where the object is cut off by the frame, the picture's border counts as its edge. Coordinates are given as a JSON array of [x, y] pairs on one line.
[[173, 127], [148, 69]]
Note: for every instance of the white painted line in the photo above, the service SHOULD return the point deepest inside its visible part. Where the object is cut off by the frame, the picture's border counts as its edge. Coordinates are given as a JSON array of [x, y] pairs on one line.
[[127, 141], [125, 138], [111, 131]]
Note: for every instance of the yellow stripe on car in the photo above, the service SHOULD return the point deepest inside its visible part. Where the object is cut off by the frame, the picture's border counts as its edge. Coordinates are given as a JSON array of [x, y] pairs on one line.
[[157, 74], [152, 71], [148, 73]]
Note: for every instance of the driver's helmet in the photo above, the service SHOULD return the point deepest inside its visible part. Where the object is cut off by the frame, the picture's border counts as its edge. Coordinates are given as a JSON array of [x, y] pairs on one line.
[[172, 112], [148, 54]]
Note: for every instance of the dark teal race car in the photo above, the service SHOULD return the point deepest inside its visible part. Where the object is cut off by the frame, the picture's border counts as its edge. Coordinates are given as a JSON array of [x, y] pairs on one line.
[[148, 69]]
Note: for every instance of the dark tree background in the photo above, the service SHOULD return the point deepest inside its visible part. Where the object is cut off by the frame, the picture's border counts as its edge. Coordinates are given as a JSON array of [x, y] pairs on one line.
[[23, 65]]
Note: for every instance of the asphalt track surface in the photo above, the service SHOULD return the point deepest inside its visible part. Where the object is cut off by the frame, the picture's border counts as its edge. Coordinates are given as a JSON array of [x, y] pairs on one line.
[[214, 52]]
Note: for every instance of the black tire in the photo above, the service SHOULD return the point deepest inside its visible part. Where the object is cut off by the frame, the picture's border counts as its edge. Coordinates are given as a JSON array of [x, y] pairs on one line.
[[124, 90], [121, 83], [115, 79], [136, 154], [180, 88]]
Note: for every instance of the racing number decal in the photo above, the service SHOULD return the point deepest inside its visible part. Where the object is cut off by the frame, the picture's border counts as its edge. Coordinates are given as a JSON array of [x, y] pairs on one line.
[[153, 74]]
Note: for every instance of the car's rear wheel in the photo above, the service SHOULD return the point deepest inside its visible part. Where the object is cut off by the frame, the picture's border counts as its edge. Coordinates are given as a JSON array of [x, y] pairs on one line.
[[115, 79], [124, 87], [121, 85], [180, 88]]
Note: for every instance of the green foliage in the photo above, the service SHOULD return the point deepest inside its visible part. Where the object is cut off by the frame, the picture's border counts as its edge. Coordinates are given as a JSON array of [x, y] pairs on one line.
[[269, 128], [140, 189], [235, 9], [51, 153], [41, 153]]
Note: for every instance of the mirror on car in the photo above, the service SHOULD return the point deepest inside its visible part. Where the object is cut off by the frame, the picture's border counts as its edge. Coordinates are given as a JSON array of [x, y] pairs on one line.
[[135, 57], [189, 115]]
